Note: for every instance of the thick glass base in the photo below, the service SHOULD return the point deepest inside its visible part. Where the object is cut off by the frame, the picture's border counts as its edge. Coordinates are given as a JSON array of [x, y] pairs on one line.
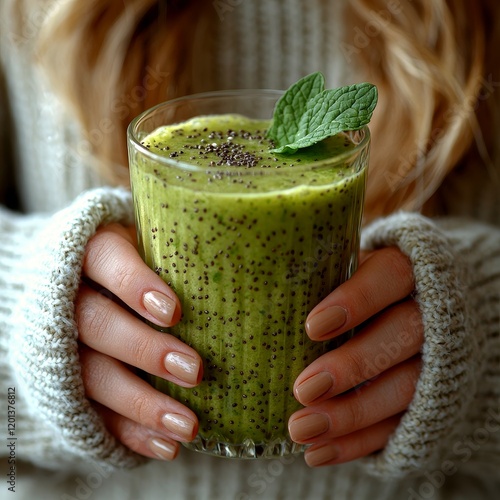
[[281, 447]]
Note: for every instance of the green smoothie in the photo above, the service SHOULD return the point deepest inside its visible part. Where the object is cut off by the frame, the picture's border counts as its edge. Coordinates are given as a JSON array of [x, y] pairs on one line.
[[250, 241]]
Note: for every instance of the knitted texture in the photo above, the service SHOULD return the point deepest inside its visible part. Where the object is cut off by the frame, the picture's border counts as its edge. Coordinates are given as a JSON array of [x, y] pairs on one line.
[[459, 338], [288, 42], [15, 233], [62, 426], [456, 265], [44, 349]]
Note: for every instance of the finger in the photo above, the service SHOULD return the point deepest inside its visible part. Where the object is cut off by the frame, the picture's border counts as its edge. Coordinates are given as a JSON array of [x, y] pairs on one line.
[[137, 437], [353, 446], [106, 327], [373, 402], [363, 255], [111, 260], [110, 383], [384, 278], [392, 337]]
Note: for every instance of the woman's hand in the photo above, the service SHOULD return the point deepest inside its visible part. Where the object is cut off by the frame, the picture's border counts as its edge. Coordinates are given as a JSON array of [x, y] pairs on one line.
[[117, 288], [355, 395]]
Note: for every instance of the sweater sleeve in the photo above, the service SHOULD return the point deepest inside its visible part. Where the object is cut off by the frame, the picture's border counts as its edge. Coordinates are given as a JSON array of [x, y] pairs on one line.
[[53, 424], [453, 421]]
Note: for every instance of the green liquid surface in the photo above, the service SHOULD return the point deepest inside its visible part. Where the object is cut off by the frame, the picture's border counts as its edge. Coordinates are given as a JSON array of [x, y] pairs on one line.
[[250, 247]]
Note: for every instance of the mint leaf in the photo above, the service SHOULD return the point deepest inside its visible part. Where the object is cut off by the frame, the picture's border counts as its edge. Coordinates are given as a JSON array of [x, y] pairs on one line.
[[298, 125], [291, 107]]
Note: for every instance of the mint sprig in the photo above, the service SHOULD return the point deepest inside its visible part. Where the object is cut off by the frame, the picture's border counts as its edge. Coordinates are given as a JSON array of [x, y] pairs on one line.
[[307, 113]]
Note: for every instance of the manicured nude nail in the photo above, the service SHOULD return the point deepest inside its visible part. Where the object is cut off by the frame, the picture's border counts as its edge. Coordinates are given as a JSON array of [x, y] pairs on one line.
[[183, 366], [160, 306], [314, 387], [180, 425], [307, 427], [326, 321], [321, 456], [162, 449]]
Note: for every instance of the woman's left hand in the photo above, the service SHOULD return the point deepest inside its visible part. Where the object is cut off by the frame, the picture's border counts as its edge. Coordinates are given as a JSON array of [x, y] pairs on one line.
[[355, 395]]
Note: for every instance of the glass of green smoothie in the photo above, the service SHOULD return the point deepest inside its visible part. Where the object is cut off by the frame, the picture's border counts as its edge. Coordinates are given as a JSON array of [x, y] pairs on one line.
[[250, 241]]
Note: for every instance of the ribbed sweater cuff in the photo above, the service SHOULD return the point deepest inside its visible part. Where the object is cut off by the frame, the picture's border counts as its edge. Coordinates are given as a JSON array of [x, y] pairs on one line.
[[450, 354], [43, 349]]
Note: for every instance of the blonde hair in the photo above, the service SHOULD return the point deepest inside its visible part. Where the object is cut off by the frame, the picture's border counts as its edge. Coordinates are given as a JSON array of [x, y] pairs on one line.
[[428, 59], [428, 62], [121, 58]]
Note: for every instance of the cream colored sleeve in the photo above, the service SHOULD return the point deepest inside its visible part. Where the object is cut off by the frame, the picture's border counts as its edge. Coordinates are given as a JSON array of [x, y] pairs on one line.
[[453, 422], [40, 265]]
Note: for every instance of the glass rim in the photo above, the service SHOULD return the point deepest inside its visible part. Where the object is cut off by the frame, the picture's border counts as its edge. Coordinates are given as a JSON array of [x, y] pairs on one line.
[[186, 166]]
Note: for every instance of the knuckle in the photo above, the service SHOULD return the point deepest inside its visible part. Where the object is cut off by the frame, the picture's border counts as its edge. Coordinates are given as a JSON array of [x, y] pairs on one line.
[[105, 251], [93, 320], [401, 265], [95, 372], [142, 350], [358, 369], [409, 326], [407, 382], [126, 278], [365, 298], [131, 435], [355, 414], [141, 409], [100, 249]]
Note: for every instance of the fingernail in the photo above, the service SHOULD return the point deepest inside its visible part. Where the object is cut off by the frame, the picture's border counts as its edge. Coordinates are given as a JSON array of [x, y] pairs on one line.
[[160, 306], [162, 449], [321, 456], [326, 321], [183, 366], [307, 427], [180, 425], [314, 387]]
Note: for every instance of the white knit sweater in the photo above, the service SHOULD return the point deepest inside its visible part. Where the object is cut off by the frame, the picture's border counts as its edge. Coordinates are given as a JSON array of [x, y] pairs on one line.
[[448, 443]]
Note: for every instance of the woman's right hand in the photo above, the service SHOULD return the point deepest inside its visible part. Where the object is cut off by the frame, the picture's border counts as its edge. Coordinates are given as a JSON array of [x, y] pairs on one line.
[[114, 341]]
